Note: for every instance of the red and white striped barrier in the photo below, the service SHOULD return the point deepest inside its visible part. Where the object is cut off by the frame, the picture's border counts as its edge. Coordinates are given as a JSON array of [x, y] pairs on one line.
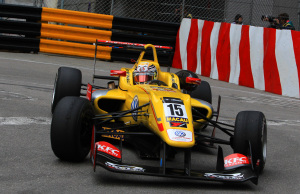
[[256, 57]]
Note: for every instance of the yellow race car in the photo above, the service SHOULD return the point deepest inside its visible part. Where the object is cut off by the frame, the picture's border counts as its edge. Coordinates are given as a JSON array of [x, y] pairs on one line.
[[159, 114]]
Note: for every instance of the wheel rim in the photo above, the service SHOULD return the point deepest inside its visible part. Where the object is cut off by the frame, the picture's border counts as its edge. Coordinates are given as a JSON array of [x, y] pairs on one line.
[[53, 93]]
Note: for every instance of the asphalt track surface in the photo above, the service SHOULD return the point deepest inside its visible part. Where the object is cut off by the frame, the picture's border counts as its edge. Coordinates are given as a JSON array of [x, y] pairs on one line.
[[28, 165]]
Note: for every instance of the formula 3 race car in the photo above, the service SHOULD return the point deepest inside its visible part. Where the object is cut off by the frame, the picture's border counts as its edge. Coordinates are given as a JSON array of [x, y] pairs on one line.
[[159, 114]]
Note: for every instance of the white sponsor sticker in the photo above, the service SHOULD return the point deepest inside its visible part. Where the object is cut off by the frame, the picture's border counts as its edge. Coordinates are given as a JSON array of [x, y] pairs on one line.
[[234, 176], [125, 167], [180, 135]]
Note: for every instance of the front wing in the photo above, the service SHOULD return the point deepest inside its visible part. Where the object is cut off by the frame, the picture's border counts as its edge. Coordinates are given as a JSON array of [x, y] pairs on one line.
[[116, 165]]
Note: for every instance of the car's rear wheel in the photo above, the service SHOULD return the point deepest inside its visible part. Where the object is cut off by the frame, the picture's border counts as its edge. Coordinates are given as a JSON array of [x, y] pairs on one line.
[[71, 128], [67, 83], [203, 92], [251, 126], [182, 75]]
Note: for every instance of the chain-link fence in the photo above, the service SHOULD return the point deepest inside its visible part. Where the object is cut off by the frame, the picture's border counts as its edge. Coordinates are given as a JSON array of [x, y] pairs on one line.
[[175, 10]]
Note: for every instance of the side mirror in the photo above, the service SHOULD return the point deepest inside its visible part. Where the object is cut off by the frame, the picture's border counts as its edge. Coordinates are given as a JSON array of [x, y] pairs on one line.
[[192, 80], [117, 73]]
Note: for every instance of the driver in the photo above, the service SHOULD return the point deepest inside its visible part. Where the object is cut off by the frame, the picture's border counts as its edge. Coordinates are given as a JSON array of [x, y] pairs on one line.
[[144, 73]]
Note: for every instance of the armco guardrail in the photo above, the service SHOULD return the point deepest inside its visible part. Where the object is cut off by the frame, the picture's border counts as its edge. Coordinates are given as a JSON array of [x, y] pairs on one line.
[[72, 32], [76, 49], [22, 12], [19, 43], [77, 18]]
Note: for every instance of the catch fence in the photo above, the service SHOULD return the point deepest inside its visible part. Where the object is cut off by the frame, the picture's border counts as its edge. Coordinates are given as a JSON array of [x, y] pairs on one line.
[[175, 10]]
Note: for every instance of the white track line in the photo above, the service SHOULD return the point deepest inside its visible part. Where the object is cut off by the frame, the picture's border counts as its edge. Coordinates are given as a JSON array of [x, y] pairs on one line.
[[9, 81], [25, 120]]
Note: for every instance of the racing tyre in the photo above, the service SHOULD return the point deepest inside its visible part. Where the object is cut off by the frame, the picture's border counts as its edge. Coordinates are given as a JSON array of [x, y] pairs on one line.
[[203, 92], [251, 126], [71, 129], [67, 83]]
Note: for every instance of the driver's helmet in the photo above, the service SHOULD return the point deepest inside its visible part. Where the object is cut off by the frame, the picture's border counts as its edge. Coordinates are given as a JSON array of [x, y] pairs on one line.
[[144, 73]]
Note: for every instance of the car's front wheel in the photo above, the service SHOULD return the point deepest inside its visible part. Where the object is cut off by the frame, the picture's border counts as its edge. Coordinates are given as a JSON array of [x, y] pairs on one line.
[[71, 128], [251, 126]]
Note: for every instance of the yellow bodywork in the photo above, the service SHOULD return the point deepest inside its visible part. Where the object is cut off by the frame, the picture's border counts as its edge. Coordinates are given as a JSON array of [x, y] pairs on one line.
[[165, 104]]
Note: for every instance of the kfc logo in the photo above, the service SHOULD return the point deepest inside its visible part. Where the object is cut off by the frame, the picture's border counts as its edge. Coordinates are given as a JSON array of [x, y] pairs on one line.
[[235, 160], [107, 148]]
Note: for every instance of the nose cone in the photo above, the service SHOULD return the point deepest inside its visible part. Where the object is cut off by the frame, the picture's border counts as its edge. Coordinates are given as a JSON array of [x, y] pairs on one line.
[[174, 116]]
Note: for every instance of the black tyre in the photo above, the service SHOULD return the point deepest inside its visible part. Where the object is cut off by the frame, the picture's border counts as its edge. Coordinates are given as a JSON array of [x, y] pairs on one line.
[[67, 83], [251, 126], [203, 92], [71, 129]]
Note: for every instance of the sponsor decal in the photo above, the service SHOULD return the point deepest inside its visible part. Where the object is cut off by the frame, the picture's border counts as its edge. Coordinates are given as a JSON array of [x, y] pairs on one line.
[[175, 124], [135, 104], [107, 148], [177, 119], [234, 176], [172, 100], [180, 135], [156, 88], [235, 160], [113, 136], [124, 167]]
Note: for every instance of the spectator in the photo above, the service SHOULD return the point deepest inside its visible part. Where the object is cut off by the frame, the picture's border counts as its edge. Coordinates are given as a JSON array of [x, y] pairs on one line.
[[238, 19]]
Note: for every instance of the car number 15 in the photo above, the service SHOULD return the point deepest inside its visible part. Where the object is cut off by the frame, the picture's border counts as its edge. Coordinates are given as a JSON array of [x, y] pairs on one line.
[[174, 110]]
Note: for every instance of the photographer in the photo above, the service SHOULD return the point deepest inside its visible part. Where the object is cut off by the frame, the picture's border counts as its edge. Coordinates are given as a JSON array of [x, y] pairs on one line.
[[281, 22]]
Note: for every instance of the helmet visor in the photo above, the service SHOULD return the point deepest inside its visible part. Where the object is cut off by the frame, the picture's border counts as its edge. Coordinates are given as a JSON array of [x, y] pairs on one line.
[[141, 77]]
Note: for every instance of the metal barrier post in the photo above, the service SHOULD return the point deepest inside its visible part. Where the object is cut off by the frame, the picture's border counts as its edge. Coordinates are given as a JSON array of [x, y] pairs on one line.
[[62, 4], [111, 7]]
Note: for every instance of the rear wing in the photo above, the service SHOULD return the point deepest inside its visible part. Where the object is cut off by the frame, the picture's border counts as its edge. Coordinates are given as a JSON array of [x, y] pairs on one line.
[[129, 45], [126, 46]]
